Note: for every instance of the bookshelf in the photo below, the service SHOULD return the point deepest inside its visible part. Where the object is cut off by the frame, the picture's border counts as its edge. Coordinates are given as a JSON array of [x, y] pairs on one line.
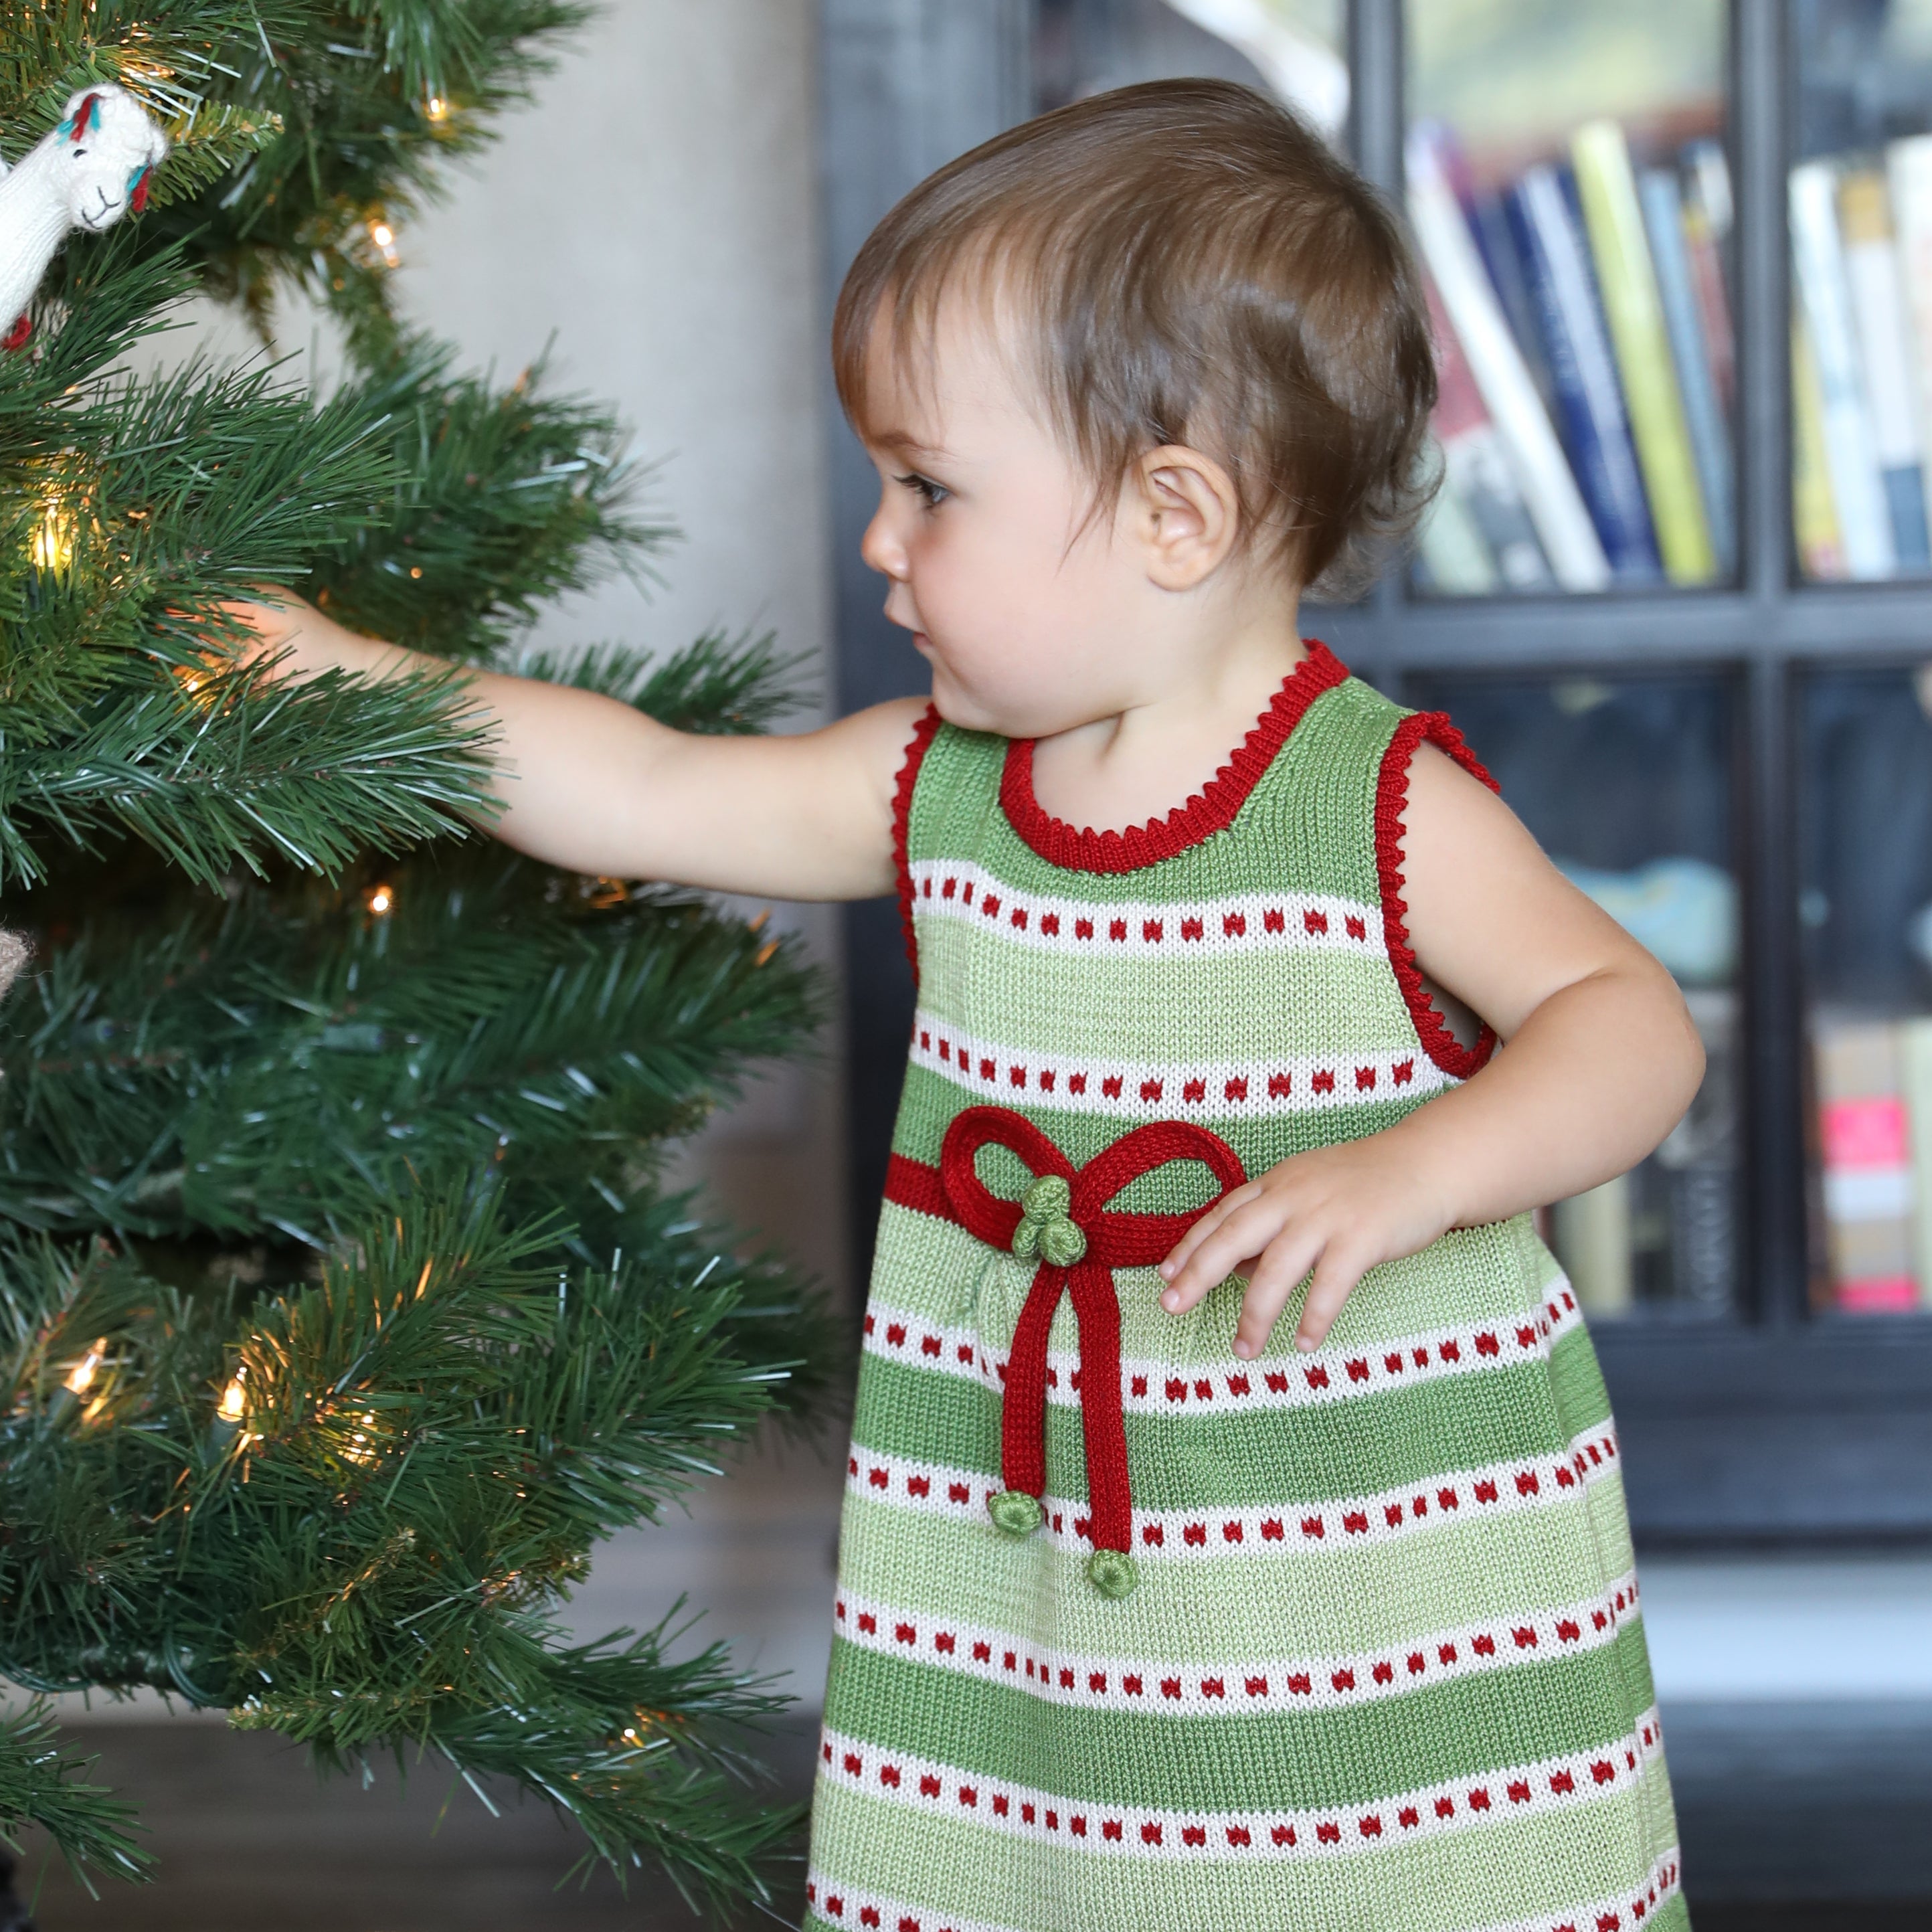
[[1765, 725]]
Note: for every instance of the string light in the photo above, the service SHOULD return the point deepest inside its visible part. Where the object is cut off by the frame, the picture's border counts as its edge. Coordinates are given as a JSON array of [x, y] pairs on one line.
[[384, 237], [53, 540], [437, 108], [381, 900], [234, 1399], [361, 1446], [81, 1376]]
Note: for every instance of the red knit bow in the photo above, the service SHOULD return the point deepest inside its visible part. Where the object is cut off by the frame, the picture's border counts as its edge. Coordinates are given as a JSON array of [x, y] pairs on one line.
[[1112, 1240]]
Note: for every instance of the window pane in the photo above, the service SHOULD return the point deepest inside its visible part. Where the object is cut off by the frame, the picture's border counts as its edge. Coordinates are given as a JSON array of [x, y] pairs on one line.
[[1569, 187], [1627, 784], [1861, 210], [1293, 48], [1866, 909]]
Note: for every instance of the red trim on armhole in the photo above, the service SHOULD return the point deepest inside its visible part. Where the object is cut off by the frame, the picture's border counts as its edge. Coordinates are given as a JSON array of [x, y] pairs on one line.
[[1391, 804], [923, 734]]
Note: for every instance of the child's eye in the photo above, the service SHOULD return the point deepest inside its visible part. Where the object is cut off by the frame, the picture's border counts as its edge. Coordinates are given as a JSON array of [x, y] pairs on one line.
[[931, 493]]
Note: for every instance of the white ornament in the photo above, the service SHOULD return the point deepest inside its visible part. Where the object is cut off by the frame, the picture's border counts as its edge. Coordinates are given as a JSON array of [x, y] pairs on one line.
[[94, 167]]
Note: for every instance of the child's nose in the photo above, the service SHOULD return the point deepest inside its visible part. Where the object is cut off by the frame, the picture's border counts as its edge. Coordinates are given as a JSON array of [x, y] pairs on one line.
[[880, 546]]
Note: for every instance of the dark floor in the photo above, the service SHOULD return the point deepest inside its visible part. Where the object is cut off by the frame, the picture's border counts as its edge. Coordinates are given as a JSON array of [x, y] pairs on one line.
[[250, 1841], [1794, 1819]]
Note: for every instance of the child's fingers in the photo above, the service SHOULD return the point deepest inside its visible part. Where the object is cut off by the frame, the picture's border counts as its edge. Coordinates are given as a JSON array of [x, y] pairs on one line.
[[1247, 1231], [1336, 1275], [1279, 1272], [1184, 1248]]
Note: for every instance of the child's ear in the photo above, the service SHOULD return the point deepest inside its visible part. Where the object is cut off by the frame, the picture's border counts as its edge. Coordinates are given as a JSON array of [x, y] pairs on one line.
[[1188, 515]]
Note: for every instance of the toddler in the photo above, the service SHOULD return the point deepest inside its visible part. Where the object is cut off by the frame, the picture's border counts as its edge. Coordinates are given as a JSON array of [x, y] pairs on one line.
[[1234, 1535]]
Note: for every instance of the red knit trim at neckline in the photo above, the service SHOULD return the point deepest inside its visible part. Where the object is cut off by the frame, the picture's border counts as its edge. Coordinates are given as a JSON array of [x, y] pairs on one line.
[[923, 734], [1211, 809], [1391, 808]]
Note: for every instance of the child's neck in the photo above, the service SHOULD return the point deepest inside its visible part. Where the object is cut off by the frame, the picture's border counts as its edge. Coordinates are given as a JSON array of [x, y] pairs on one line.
[[1196, 704]]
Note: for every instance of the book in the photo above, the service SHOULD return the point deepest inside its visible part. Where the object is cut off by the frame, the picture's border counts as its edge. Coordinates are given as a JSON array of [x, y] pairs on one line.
[[1878, 313], [1476, 466], [1851, 457], [1909, 178], [1591, 1236], [1914, 1055], [1814, 516], [1568, 537], [1454, 556], [1489, 223], [1707, 235], [1626, 275], [1663, 204], [1865, 1162], [1596, 432]]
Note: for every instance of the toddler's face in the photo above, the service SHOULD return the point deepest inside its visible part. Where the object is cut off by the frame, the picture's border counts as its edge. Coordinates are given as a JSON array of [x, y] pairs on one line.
[[1037, 615]]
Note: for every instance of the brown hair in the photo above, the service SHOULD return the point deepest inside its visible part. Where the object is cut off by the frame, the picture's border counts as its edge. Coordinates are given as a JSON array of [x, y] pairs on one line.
[[1194, 266]]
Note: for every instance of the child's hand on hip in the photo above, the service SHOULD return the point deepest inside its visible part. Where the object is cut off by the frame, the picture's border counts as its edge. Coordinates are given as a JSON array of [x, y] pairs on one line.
[[1336, 1209]]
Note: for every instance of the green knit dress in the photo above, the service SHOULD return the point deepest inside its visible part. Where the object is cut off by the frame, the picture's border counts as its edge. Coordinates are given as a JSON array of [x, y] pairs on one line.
[[1131, 1633]]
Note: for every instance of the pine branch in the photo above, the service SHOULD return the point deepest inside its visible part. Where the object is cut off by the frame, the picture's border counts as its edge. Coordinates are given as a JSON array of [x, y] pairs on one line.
[[362, 1543], [308, 772], [504, 498], [718, 685], [40, 1784]]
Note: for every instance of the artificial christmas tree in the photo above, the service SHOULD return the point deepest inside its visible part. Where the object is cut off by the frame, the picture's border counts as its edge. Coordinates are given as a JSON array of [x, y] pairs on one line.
[[339, 1315]]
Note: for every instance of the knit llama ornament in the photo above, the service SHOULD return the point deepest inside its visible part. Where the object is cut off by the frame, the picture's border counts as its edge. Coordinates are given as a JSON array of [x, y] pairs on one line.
[[89, 172]]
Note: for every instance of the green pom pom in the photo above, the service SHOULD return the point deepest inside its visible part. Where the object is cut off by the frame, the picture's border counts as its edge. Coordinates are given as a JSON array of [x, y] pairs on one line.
[[1026, 1240], [1062, 1243], [1113, 1572], [1016, 1512], [1049, 1198]]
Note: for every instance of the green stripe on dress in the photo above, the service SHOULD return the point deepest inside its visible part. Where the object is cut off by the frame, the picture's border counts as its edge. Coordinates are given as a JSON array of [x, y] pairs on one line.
[[1465, 1881]]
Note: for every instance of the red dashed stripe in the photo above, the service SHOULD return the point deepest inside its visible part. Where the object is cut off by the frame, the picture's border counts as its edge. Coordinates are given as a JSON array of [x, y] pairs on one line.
[[960, 889], [1113, 1683], [1150, 1388], [1265, 1528], [835, 1903], [1176, 1090], [1463, 1803]]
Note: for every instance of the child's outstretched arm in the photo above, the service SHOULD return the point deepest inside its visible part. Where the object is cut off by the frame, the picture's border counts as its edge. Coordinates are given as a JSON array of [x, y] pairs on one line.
[[593, 785], [1599, 1062]]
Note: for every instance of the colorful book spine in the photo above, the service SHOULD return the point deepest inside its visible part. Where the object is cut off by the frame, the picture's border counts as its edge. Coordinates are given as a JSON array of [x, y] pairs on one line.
[[1627, 277], [1568, 536], [1865, 1158], [1596, 432], [1851, 455], [1878, 313], [1476, 467], [1663, 205], [1489, 223], [1814, 515], [1707, 234], [1909, 176]]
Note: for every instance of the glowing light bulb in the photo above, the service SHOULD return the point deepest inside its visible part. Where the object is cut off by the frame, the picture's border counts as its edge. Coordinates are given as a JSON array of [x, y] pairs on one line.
[[81, 1376], [52, 546], [233, 1398], [381, 900], [437, 108], [384, 237]]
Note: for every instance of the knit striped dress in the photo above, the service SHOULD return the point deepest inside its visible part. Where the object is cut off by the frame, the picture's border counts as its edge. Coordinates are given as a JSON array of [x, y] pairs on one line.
[[1130, 1634]]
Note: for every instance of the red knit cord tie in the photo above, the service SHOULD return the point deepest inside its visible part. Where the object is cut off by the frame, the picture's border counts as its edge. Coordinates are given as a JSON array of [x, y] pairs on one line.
[[1065, 1223]]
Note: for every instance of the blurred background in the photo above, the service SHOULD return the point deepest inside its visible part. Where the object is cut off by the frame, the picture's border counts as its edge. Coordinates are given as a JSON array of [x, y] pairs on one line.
[[1677, 592]]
